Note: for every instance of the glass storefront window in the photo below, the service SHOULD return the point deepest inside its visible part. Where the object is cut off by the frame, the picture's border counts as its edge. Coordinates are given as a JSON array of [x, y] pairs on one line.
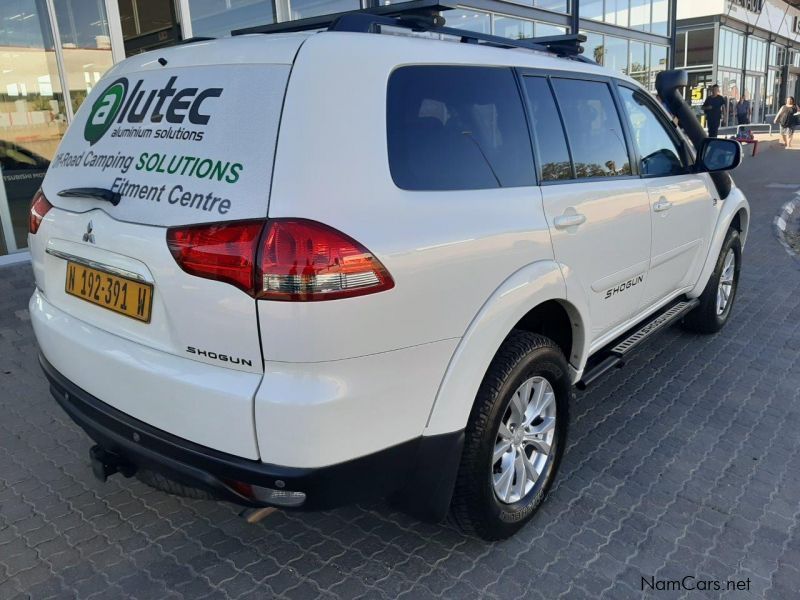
[[471, 20], [730, 83], [731, 45], [680, 49], [658, 62], [593, 46], [616, 54], [638, 62], [640, 15], [32, 113], [561, 6], [756, 54], [86, 45], [217, 18], [700, 47], [545, 29], [302, 9], [517, 29], [591, 9], [617, 12], [660, 18]]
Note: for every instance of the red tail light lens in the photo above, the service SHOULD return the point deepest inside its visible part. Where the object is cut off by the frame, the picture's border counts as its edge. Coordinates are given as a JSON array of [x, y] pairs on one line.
[[282, 259], [220, 251], [305, 260], [39, 208]]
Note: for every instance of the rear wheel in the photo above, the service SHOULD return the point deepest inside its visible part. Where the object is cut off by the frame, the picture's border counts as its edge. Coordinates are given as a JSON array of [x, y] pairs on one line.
[[717, 298], [514, 438]]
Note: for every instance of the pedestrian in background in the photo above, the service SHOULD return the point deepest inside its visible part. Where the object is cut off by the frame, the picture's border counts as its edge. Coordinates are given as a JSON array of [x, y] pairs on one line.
[[714, 107], [785, 120], [743, 111]]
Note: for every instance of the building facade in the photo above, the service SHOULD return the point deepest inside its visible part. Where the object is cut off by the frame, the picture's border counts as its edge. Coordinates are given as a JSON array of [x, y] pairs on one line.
[[52, 52], [750, 48]]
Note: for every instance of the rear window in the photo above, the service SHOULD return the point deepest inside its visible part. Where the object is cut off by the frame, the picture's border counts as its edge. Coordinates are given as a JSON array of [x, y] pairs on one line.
[[457, 128]]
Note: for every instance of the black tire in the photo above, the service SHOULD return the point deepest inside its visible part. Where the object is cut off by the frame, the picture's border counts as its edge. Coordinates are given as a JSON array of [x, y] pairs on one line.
[[170, 486], [704, 317], [475, 507]]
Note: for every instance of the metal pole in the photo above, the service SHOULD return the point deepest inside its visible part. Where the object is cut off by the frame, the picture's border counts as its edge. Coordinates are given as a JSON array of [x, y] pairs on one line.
[[673, 32], [576, 17]]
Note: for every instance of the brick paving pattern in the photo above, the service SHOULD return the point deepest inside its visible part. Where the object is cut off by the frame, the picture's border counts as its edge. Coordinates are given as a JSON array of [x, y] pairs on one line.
[[683, 463]]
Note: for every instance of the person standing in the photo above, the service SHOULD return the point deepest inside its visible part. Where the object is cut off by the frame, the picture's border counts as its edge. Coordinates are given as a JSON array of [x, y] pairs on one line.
[[743, 111], [714, 107], [785, 120]]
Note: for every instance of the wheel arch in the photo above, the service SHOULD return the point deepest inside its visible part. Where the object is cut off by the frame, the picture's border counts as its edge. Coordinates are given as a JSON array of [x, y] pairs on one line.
[[532, 299], [735, 212]]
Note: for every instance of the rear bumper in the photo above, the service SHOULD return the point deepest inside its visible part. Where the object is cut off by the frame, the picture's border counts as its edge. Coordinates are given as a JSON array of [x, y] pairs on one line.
[[420, 471]]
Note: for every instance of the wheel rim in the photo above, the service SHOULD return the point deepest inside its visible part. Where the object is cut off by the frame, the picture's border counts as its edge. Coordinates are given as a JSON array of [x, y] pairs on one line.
[[726, 283], [524, 441]]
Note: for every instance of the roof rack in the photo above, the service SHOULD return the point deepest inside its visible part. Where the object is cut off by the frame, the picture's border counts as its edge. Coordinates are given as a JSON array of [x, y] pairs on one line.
[[421, 16]]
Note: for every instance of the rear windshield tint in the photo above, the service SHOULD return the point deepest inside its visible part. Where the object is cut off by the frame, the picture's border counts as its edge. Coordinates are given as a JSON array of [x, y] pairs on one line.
[[457, 128]]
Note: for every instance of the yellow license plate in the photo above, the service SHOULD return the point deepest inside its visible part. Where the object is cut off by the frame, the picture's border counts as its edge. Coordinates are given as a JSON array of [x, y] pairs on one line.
[[120, 294]]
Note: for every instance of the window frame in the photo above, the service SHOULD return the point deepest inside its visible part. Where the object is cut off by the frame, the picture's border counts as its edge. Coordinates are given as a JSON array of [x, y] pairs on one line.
[[611, 83], [668, 126]]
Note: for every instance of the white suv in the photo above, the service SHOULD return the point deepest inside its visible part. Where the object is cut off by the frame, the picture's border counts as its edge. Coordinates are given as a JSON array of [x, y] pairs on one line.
[[311, 268]]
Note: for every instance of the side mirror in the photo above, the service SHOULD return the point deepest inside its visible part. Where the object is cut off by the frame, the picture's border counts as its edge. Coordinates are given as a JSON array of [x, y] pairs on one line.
[[716, 154]]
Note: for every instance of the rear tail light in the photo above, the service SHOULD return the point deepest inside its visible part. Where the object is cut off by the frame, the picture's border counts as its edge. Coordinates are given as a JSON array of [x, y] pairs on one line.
[[39, 208], [280, 259]]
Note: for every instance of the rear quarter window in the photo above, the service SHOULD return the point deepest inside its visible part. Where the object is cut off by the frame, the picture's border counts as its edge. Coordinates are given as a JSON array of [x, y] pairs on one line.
[[457, 128]]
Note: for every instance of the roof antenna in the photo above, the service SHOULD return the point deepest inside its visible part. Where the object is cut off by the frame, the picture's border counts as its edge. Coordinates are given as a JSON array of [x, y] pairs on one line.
[[162, 61]]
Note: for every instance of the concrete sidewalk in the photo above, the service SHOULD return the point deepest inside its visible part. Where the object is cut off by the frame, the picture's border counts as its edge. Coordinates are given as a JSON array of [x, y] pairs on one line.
[[682, 464]]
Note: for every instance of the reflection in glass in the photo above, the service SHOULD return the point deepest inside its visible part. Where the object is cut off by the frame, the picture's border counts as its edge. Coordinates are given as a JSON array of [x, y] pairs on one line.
[[638, 64], [640, 15], [593, 46], [550, 141], [591, 9], [86, 44], [616, 54], [554, 5], [471, 20], [32, 115], [593, 127], [660, 17], [517, 29], [545, 29], [217, 18], [617, 12], [301, 9]]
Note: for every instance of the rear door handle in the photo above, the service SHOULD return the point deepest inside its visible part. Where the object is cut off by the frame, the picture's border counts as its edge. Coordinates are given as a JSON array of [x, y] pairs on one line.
[[569, 220], [662, 205]]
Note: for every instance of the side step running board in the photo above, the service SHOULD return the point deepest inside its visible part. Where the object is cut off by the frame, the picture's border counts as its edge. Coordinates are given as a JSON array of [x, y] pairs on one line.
[[614, 355]]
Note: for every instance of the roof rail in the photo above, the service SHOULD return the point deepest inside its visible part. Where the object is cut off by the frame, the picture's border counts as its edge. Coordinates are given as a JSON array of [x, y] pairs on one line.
[[422, 16]]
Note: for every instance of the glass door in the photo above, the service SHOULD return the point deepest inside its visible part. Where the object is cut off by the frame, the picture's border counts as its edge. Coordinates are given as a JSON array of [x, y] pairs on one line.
[[33, 116], [52, 53]]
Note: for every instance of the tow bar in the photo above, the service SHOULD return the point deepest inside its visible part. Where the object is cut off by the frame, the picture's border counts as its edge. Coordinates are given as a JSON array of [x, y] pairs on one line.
[[105, 464]]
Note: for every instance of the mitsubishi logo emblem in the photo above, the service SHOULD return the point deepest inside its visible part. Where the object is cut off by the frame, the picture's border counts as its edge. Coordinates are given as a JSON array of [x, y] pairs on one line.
[[89, 236]]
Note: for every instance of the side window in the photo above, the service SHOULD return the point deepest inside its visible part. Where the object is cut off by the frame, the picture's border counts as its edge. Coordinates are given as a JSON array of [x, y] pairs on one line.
[[593, 128], [551, 145], [660, 156], [457, 128]]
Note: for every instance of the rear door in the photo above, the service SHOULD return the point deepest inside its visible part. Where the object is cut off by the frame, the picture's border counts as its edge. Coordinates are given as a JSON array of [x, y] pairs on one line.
[[682, 207], [597, 208], [169, 139]]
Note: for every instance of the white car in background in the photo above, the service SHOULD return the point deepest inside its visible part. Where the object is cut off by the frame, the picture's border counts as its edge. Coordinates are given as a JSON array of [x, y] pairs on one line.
[[311, 268]]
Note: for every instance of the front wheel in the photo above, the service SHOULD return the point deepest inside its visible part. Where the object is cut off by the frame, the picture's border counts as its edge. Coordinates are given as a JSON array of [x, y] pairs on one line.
[[514, 439], [717, 298]]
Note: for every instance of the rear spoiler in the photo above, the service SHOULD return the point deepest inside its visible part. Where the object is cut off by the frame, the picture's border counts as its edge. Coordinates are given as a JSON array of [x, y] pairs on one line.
[[668, 86]]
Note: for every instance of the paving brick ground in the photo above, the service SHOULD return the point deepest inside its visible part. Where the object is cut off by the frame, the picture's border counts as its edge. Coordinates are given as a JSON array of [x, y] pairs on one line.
[[683, 463]]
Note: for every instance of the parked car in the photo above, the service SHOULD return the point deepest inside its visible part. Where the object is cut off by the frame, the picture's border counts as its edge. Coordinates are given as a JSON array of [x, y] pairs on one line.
[[312, 268]]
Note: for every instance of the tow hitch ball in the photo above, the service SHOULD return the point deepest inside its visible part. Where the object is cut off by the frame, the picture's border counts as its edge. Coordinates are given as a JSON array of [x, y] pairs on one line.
[[105, 463]]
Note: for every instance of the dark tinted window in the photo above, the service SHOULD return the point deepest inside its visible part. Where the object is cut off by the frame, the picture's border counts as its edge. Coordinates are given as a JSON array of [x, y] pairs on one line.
[[551, 145], [593, 128], [658, 153], [457, 128]]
